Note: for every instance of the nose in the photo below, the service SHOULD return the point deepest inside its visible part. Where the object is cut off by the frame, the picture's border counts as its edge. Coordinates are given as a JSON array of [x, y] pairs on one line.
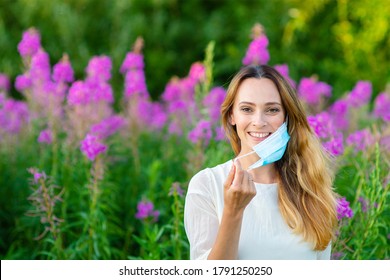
[[259, 120]]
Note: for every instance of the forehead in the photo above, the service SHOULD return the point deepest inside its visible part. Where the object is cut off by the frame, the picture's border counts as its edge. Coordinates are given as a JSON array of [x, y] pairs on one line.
[[258, 91]]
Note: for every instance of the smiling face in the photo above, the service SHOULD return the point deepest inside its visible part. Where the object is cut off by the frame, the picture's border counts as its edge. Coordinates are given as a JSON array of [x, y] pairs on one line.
[[257, 112]]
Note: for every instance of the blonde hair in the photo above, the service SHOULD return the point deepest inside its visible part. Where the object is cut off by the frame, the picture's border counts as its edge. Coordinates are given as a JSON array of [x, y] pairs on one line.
[[306, 198]]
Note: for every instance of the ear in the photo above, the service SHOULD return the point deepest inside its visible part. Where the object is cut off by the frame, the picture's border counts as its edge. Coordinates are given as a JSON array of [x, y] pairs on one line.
[[231, 119]]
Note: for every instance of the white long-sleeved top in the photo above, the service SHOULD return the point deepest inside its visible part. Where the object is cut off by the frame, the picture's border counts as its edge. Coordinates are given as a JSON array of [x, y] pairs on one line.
[[264, 233]]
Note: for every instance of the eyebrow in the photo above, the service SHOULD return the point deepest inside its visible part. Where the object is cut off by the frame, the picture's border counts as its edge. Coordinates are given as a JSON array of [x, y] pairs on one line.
[[267, 104]]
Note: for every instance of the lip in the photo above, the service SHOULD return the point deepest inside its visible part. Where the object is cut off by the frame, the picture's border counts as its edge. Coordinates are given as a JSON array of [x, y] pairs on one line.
[[259, 136]]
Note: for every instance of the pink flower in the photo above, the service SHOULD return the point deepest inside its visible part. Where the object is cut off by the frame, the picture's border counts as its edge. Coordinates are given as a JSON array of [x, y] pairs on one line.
[[360, 139], [360, 94], [79, 94], [99, 68], [322, 124], [382, 106], [219, 134], [63, 71], [37, 175], [339, 112], [343, 209], [335, 145], [40, 66], [108, 126], [5, 83], [23, 82], [213, 102], [152, 114], [92, 147], [13, 115], [132, 61], [283, 70], [146, 211], [45, 136], [135, 83], [202, 131], [30, 43], [257, 52], [197, 72], [311, 90]]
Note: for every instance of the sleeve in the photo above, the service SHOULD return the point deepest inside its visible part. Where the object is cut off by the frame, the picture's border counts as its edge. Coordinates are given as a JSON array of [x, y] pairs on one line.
[[200, 218], [325, 254]]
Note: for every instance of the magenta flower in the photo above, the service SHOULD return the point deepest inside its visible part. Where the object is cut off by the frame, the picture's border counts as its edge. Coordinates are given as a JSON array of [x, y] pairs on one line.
[[382, 106], [322, 125], [99, 91], [45, 136], [13, 115], [311, 90], [146, 211], [175, 127], [172, 91], [343, 209], [63, 71], [23, 82], [5, 83], [219, 134], [152, 114], [197, 72], [79, 94], [30, 43], [37, 175], [213, 103], [339, 112], [92, 147], [99, 68], [132, 61], [360, 94], [360, 140], [40, 66], [283, 70], [175, 188], [335, 145], [257, 52], [108, 126], [202, 131], [135, 83]]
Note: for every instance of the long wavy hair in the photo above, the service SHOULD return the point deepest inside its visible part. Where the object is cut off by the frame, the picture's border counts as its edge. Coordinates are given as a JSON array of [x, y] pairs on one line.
[[306, 198]]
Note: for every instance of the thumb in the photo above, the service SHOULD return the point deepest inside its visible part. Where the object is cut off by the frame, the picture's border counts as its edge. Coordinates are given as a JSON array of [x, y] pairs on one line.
[[230, 177]]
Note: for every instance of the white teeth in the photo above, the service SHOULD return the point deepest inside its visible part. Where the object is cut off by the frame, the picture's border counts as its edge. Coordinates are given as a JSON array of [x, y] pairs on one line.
[[259, 135]]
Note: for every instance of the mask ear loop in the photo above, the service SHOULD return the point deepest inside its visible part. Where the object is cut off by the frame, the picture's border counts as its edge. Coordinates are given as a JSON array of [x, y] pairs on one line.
[[252, 152]]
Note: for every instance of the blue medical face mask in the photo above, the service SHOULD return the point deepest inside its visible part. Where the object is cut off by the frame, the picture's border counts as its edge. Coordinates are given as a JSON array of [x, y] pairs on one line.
[[272, 148]]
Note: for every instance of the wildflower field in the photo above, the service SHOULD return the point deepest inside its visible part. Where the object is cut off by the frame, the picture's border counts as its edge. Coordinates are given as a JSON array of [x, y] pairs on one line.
[[88, 176]]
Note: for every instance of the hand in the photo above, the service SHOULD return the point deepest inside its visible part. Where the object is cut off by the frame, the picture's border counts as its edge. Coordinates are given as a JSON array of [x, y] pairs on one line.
[[239, 189]]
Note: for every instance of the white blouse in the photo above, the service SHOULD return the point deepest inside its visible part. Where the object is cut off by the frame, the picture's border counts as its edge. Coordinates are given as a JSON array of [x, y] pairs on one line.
[[264, 233]]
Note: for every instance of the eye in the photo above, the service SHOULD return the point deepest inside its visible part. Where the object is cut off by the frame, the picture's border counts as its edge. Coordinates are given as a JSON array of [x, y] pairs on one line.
[[273, 110], [246, 109]]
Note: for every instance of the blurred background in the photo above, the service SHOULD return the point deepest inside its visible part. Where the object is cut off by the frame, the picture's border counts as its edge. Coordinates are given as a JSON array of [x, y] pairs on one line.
[[341, 41]]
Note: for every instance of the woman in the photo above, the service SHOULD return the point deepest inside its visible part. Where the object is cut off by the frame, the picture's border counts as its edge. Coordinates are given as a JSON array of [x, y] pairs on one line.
[[277, 206]]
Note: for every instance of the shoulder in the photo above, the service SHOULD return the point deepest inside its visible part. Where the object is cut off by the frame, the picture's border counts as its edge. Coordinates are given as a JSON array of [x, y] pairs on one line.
[[204, 181]]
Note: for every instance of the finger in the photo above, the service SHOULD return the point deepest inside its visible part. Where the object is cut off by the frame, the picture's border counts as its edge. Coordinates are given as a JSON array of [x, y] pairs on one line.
[[230, 177], [239, 173]]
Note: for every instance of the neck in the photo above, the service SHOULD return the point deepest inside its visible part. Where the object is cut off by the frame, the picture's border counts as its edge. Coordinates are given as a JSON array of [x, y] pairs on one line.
[[265, 174]]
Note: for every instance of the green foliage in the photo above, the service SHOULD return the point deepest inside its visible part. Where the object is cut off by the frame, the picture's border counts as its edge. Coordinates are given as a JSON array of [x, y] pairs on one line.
[[365, 235], [99, 199], [341, 41]]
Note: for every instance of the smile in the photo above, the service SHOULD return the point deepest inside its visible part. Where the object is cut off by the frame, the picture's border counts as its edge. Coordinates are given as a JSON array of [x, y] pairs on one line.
[[259, 134]]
